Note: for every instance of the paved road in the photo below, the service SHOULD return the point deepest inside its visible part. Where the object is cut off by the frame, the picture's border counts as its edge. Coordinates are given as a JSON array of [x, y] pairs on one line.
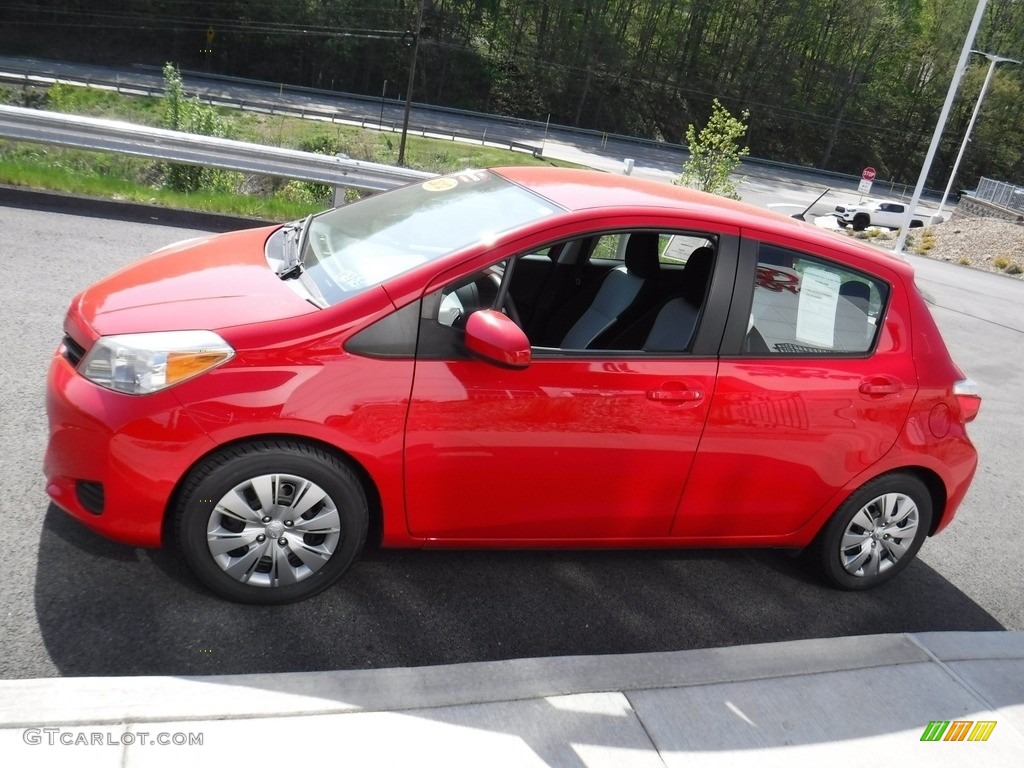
[[75, 604]]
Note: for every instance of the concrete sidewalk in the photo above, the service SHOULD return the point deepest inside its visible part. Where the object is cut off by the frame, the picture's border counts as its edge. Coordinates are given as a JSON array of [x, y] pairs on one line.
[[854, 699]]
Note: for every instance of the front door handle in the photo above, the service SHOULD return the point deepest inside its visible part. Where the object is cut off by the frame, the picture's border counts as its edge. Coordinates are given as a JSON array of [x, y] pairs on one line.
[[880, 385]]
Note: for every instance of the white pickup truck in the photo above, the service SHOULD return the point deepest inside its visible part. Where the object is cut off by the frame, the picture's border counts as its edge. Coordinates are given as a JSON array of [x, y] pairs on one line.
[[879, 213]]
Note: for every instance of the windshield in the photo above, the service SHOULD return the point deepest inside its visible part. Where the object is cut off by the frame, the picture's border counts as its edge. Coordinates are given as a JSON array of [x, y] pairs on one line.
[[355, 247]]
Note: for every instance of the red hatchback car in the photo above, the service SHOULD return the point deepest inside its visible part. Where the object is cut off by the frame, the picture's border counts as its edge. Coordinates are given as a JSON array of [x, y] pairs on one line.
[[510, 358]]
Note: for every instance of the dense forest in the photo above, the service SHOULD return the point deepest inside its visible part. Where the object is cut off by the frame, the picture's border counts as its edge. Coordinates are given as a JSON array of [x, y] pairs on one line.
[[833, 84]]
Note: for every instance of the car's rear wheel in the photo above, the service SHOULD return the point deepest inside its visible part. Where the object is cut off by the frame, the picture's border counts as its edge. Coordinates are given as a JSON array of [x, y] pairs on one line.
[[271, 522], [875, 533]]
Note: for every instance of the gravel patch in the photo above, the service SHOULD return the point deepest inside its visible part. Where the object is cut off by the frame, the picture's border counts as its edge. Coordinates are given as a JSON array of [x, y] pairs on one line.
[[994, 245]]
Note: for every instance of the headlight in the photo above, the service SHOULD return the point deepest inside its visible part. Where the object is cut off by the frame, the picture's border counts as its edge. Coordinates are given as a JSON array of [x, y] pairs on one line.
[[140, 363]]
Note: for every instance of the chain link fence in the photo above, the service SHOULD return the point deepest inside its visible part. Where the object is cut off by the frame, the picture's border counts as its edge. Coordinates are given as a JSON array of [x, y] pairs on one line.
[[1002, 194]]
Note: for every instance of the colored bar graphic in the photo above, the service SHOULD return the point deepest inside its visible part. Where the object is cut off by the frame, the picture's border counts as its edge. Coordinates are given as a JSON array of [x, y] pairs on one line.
[[958, 730]]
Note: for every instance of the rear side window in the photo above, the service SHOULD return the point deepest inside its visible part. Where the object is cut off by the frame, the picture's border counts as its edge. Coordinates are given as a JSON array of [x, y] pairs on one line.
[[805, 305]]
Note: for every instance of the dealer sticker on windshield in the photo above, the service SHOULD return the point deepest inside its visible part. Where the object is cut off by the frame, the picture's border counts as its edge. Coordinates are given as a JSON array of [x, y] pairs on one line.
[[445, 183], [440, 185]]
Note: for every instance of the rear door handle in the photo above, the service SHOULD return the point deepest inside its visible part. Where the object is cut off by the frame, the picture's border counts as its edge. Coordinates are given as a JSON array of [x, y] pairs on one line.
[[672, 395], [880, 385]]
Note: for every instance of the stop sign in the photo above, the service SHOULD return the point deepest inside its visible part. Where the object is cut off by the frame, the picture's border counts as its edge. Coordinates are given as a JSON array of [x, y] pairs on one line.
[[868, 174]]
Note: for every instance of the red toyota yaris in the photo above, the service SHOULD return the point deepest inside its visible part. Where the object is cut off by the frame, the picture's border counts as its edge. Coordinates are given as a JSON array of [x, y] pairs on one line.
[[510, 358]]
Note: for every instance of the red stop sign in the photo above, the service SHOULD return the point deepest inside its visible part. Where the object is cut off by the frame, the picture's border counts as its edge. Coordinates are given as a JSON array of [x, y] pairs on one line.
[[868, 174]]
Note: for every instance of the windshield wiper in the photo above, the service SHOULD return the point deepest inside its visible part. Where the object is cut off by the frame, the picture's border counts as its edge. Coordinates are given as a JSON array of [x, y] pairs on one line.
[[294, 243]]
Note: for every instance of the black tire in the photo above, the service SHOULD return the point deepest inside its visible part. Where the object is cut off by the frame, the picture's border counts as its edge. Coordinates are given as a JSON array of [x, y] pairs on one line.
[[885, 553], [916, 223], [861, 222], [329, 534]]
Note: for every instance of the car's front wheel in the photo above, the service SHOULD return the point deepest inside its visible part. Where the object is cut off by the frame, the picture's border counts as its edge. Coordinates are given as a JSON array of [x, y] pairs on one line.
[[875, 533], [271, 522]]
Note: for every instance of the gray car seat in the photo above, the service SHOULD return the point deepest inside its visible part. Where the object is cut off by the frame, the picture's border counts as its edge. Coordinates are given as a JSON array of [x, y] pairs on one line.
[[676, 319], [625, 293]]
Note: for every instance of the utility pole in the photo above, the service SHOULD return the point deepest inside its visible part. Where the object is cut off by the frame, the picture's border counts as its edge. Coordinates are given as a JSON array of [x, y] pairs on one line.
[[965, 52], [412, 79], [993, 60]]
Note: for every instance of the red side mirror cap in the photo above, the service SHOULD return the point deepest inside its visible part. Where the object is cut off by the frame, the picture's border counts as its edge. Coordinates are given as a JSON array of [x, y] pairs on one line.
[[497, 339]]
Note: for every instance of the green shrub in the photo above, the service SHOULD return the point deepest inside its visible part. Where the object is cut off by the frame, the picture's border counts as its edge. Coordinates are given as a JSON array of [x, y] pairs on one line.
[[190, 116], [715, 152], [312, 193], [26, 96]]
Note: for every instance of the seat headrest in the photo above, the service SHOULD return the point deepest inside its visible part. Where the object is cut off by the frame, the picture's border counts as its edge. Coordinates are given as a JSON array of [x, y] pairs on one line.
[[696, 273], [642, 254], [855, 289]]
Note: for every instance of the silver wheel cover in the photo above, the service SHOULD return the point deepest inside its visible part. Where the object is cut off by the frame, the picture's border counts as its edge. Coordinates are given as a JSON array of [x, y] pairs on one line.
[[273, 530], [879, 535]]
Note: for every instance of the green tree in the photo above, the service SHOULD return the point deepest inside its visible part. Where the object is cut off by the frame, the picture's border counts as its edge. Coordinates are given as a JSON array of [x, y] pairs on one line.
[[181, 113], [715, 152], [836, 84]]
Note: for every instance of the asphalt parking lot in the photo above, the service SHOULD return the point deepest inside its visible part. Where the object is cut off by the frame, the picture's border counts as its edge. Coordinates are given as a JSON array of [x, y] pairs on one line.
[[75, 604]]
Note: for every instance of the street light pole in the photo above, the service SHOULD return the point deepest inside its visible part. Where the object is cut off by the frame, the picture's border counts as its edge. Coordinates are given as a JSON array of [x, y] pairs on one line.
[[901, 240], [412, 78], [992, 61]]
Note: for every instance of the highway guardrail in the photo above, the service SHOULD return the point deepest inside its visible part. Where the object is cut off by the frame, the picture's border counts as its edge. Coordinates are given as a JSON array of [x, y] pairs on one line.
[[162, 144]]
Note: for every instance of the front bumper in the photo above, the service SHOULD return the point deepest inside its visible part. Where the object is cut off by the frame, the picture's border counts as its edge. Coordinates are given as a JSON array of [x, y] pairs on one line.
[[121, 455]]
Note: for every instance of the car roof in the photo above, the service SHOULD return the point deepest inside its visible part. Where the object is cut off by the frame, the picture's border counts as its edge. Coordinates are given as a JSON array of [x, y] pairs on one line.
[[585, 190]]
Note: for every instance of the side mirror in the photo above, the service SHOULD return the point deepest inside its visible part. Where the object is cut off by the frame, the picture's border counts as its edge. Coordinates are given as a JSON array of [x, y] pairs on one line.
[[495, 338]]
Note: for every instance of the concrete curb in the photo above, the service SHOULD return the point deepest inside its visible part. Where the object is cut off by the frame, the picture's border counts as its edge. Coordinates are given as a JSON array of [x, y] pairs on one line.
[[77, 701], [80, 205]]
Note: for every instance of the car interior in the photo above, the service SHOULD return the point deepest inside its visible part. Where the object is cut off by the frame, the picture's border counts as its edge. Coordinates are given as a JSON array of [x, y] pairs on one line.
[[640, 290]]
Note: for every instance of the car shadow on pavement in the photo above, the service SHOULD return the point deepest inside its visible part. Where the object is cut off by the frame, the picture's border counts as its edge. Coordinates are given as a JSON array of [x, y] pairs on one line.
[[107, 609]]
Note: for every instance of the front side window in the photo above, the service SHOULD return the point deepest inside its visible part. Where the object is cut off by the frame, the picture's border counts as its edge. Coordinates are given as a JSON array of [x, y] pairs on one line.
[[804, 305], [639, 290], [568, 301], [357, 246]]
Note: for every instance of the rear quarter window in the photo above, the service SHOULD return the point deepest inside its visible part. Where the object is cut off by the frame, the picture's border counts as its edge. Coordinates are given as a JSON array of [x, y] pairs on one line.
[[807, 305]]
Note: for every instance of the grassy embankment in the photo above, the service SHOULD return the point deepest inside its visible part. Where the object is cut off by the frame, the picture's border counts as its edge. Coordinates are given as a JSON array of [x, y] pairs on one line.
[[122, 177]]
